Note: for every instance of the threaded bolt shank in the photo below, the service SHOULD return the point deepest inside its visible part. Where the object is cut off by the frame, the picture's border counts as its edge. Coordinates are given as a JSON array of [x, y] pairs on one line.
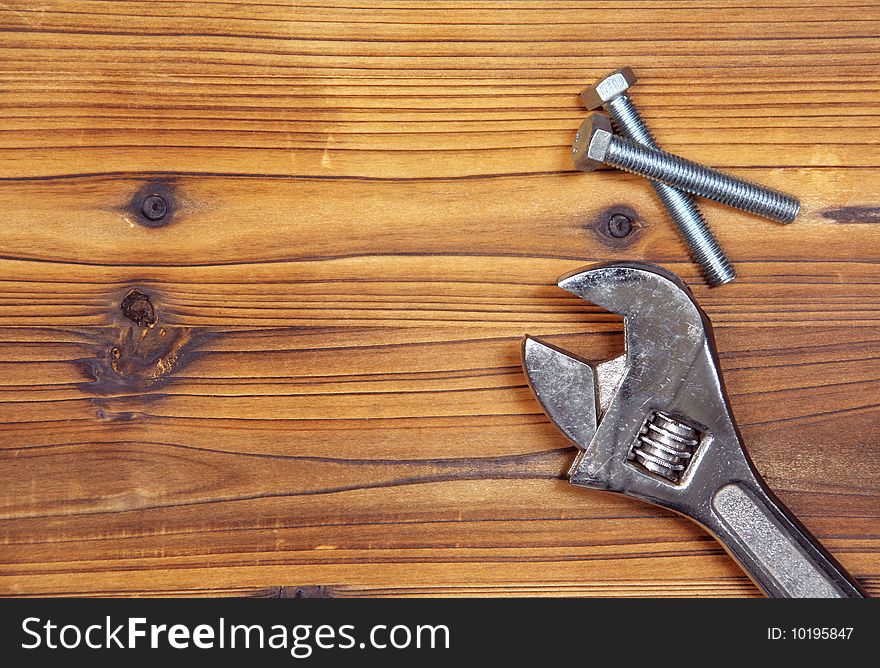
[[694, 178], [703, 246]]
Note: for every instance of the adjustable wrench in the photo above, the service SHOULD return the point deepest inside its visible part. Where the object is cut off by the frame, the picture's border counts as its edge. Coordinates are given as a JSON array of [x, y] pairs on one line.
[[655, 424]]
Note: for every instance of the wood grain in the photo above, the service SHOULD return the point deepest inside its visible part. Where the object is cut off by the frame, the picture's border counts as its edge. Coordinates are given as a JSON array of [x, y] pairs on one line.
[[370, 204]]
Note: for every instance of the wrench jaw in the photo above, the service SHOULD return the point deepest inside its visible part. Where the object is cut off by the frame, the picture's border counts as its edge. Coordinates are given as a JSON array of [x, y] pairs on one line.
[[634, 289], [666, 429], [573, 392], [565, 385], [653, 423]]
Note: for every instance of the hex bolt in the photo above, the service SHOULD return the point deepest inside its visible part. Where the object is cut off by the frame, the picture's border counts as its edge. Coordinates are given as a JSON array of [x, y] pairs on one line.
[[595, 144], [610, 94]]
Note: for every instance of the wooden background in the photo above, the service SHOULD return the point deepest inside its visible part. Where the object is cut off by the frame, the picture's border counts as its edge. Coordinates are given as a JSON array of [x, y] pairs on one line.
[[370, 204]]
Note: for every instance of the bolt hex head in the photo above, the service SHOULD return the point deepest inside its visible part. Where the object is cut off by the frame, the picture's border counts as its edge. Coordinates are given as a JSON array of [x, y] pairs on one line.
[[591, 142], [607, 88]]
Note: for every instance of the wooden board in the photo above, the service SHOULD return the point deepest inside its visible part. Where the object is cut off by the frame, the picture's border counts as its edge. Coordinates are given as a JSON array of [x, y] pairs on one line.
[[315, 385]]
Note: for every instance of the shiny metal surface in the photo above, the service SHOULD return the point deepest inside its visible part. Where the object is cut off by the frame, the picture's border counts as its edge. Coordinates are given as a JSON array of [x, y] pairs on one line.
[[595, 144], [610, 93], [665, 446], [670, 377], [566, 388]]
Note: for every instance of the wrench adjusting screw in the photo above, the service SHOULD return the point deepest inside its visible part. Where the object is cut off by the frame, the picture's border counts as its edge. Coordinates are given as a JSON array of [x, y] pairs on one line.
[[665, 446]]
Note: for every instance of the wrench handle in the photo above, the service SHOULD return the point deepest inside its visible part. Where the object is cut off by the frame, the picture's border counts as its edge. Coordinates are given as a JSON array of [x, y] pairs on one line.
[[783, 558]]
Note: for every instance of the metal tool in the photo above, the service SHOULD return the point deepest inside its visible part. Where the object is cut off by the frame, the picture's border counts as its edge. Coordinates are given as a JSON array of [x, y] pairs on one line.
[[595, 144], [655, 424], [610, 93]]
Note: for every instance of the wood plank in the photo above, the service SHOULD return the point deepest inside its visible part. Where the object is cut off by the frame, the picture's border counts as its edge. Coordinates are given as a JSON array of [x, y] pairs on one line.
[[315, 386]]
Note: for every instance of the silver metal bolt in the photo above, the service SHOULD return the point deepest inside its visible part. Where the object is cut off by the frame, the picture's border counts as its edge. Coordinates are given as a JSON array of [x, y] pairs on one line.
[[595, 144], [610, 94]]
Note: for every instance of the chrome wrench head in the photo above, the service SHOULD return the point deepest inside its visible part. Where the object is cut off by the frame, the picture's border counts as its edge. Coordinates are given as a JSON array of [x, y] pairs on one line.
[[656, 425], [661, 405]]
